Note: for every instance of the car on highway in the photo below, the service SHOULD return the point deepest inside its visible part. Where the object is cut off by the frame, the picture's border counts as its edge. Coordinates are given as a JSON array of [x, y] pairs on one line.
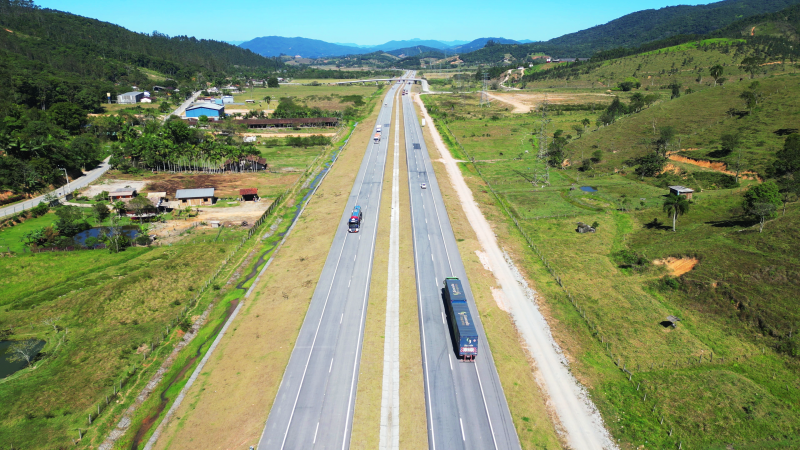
[[423, 186]]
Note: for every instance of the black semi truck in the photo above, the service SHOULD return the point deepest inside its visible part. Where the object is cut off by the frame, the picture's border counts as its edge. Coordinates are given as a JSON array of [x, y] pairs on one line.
[[465, 336]]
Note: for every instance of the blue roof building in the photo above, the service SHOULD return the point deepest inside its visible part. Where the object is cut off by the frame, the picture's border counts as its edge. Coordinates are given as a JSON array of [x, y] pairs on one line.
[[205, 109]]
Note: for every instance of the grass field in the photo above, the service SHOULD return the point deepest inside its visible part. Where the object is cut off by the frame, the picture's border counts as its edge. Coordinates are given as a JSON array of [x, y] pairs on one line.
[[322, 96], [737, 304], [108, 306]]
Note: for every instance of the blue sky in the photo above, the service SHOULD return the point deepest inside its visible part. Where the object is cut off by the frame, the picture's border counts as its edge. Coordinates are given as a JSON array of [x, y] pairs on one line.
[[358, 21]]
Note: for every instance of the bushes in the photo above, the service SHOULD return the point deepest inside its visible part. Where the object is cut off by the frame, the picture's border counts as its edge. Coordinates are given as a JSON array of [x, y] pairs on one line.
[[311, 141]]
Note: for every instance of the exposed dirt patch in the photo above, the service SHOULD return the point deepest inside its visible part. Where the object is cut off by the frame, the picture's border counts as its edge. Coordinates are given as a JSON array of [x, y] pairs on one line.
[[525, 102], [225, 185], [717, 166], [677, 266], [113, 185]]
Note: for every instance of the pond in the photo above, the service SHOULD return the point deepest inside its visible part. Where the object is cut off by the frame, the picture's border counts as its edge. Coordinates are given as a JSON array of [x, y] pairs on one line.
[[7, 367], [129, 230], [588, 189]]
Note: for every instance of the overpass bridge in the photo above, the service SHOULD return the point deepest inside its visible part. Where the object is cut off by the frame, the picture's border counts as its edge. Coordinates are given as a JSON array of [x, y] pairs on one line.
[[421, 81]]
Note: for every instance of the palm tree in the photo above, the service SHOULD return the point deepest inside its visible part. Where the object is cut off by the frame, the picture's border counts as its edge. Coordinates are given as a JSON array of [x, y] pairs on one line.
[[268, 99], [676, 205]]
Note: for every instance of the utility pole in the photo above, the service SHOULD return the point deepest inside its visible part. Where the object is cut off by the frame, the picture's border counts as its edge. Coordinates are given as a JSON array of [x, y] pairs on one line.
[[67, 177]]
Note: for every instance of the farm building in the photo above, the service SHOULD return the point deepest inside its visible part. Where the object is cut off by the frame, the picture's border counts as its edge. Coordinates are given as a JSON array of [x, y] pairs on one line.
[[130, 97], [290, 123], [249, 194], [681, 190], [122, 194], [195, 197], [205, 109]]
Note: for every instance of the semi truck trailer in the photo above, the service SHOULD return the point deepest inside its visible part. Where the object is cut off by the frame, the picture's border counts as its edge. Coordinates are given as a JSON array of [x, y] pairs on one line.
[[465, 336]]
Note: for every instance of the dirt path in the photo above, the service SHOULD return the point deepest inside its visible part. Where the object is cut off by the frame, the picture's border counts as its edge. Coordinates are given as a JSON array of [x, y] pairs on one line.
[[579, 417]]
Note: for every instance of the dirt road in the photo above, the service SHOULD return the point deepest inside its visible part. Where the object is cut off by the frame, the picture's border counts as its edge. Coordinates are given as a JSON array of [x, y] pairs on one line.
[[580, 419]]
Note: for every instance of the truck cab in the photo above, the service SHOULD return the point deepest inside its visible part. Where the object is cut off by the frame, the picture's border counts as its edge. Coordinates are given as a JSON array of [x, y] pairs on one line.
[[354, 223]]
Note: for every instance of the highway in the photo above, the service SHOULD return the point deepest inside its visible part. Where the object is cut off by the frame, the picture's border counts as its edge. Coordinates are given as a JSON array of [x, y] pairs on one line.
[[465, 403], [315, 401]]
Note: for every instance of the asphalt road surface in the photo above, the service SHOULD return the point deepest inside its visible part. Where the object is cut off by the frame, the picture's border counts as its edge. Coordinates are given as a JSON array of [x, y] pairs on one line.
[[74, 185], [315, 401], [465, 402]]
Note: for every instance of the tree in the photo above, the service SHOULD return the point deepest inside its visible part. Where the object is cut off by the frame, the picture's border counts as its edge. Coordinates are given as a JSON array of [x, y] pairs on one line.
[[597, 155], [750, 65], [788, 196], [268, 99], [120, 207], [23, 351], [716, 72], [629, 84], [650, 165], [114, 237], [202, 120], [666, 135], [762, 211], [164, 107], [71, 221], [100, 211], [675, 87], [51, 322], [675, 205], [578, 129], [141, 206], [586, 122], [272, 82], [761, 201], [787, 162], [68, 116], [729, 142], [750, 100]]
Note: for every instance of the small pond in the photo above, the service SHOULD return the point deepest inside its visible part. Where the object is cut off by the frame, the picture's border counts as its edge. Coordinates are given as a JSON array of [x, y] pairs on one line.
[[7, 367], [588, 189], [129, 230]]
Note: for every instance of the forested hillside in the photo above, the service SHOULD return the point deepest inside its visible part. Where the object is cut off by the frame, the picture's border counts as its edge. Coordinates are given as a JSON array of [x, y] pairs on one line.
[[56, 67], [637, 29]]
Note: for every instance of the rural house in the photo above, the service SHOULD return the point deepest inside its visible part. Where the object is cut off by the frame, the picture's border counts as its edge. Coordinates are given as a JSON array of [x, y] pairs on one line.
[[249, 194], [130, 97], [681, 190], [122, 194], [195, 197]]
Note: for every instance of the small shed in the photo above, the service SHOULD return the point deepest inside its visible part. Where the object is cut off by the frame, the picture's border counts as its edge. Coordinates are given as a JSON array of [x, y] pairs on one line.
[[249, 194], [672, 320], [214, 223], [195, 197], [130, 97], [681, 190], [122, 194], [205, 109]]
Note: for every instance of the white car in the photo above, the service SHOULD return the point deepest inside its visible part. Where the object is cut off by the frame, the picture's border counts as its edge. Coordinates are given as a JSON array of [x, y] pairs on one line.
[[423, 186]]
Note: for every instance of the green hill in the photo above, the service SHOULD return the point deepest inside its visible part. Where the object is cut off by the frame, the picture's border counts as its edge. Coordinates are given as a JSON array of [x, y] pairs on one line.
[[636, 29]]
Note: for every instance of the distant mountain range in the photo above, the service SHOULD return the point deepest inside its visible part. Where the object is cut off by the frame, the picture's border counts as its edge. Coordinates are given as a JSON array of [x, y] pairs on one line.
[[314, 48]]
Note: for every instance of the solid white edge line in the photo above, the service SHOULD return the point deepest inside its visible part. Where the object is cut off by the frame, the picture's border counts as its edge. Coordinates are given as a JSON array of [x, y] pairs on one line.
[[357, 359], [480, 384], [324, 307]]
